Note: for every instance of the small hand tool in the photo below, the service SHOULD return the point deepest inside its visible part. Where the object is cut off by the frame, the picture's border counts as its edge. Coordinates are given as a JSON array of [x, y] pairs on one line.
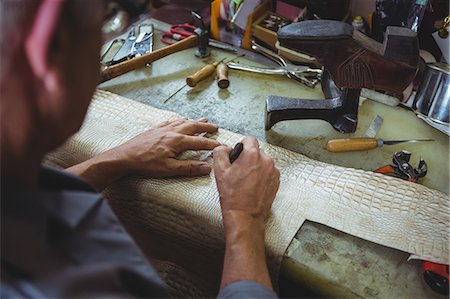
[[181, 31], [177, 32], [303, 74], [402, 169], [362, 144], [207, 70], [436, 276], [141, 61], [236, 151], [138, 42], [202, 73], [374, 126], [203, 36], [222, 75]]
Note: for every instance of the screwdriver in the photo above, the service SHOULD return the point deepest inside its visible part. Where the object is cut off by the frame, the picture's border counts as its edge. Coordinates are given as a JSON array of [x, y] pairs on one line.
[[362, 144]]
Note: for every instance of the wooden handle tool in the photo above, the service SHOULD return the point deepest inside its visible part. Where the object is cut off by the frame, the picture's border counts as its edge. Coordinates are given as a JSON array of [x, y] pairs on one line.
[[362, 144], [138, 62], [222, 75], [200, 75], [351, 144]]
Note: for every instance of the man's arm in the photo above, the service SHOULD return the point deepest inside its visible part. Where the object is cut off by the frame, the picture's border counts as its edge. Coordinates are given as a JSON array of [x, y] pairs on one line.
[[247, 189], [151, 154]]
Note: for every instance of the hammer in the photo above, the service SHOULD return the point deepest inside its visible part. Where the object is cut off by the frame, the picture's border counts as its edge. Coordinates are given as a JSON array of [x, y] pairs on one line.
[[141, 61], [201, 39]]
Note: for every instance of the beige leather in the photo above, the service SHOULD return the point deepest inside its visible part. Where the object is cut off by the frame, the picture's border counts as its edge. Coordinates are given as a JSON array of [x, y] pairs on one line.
[[381, 209]]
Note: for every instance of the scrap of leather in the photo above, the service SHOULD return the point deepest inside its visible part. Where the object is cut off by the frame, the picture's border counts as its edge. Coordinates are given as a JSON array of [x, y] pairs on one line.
[[351, 62], [378, 208]]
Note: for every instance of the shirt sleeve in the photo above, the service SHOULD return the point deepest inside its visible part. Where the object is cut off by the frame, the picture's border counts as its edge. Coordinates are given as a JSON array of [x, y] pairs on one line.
[[246, 289]]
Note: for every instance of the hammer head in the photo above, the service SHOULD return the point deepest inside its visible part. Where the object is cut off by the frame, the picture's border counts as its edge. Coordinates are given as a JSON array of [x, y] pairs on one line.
[[203, 36]]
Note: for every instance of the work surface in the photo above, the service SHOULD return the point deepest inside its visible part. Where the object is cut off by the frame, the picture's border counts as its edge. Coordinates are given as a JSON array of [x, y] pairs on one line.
[[330, 262]]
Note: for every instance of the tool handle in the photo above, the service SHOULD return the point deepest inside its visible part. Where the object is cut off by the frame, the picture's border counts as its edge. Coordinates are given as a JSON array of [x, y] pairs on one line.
[[200, 75], [138, 62], [236, 151], [351, 144], [222, 75]]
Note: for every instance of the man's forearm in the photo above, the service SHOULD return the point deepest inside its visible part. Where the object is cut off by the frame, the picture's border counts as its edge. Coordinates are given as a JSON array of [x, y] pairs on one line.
[[244, 250], [100, 171]]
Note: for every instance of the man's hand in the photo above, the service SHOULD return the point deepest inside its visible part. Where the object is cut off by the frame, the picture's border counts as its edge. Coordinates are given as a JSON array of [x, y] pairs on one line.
[[247, 189], [152, 154], [248, 186]]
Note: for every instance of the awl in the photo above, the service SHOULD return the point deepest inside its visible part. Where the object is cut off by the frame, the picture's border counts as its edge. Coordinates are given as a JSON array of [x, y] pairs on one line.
[[362, 144]]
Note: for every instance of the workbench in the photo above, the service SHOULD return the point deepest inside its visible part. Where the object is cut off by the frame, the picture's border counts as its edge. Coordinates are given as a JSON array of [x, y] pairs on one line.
[[329, 262]]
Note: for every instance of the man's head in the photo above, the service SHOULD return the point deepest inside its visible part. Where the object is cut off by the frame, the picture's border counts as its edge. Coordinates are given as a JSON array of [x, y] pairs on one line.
[[49, 69]]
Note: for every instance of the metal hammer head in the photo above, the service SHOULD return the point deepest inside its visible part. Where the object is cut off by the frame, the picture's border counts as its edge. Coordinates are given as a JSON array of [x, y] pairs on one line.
[[203, 36]]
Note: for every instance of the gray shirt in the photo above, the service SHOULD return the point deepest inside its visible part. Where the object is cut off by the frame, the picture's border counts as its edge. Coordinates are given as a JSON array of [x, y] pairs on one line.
[[63, 240]]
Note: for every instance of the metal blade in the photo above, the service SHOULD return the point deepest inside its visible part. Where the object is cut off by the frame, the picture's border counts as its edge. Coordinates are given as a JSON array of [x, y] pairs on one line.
[[375, 125], [391, 142], [259, 70]]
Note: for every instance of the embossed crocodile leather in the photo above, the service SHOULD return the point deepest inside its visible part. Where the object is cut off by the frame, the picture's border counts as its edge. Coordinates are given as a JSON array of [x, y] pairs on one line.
[[381, 209]]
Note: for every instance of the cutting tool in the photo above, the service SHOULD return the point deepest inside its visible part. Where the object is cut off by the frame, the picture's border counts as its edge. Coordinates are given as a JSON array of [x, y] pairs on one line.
[[303, 74], [362, 144], [138, 42]]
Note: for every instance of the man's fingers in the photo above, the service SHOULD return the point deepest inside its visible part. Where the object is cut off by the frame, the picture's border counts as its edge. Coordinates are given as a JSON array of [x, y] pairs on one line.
[[177, 122], [188, 168], [250, 142], [222, 157], [196, 143], [203, 120], [163, 124], [195, 127]]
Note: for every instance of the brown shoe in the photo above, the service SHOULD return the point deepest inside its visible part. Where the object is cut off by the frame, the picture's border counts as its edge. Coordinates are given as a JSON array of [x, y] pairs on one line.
[[354, 61]]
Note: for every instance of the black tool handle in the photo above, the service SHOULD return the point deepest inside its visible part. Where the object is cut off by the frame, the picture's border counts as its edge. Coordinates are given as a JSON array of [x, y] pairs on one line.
[[236, 151]]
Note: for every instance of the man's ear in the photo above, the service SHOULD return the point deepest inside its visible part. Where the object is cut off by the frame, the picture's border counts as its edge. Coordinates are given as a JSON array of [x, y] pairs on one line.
[[38, 42]]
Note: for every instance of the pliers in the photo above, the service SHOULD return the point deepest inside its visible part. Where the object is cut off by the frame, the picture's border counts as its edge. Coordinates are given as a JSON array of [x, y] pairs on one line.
[[402, 169], [302, 74]]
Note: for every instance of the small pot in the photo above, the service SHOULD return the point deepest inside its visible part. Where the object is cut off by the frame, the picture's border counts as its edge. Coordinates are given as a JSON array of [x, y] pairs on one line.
[[433, 94]]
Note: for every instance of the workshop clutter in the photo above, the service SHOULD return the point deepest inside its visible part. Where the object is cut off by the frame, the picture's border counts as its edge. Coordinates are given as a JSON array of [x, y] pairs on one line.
[[231, 21]]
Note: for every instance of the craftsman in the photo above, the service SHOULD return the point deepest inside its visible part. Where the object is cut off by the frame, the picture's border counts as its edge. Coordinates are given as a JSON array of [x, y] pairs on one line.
[[59, 237]]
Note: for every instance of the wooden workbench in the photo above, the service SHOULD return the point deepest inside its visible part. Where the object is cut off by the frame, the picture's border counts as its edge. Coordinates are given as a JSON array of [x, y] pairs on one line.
[[327, 261]]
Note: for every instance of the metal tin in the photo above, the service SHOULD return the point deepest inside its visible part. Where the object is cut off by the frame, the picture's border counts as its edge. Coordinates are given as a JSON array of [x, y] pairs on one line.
[[433, 94]]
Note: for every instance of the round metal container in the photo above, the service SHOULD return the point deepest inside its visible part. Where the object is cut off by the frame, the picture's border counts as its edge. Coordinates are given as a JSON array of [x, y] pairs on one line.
[[433, 94]]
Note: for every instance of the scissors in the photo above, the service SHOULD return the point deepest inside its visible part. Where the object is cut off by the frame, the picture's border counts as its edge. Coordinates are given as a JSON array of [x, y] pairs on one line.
[[178, 32]]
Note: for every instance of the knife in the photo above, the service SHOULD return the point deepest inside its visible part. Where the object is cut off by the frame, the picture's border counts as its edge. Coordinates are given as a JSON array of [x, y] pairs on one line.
[[362, 144]]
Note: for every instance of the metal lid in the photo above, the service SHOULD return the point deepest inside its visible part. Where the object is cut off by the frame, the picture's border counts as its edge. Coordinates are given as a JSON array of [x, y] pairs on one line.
[[441, 67]]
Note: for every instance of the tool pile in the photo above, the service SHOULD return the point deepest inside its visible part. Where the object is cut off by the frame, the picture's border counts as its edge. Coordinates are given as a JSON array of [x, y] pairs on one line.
[[351, 64]]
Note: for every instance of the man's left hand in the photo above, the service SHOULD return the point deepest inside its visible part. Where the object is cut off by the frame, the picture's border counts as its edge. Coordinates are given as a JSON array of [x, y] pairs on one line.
[[152, 154]]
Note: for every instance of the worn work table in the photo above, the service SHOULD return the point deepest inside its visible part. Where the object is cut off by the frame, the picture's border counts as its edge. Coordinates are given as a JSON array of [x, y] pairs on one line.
[[327, 261]]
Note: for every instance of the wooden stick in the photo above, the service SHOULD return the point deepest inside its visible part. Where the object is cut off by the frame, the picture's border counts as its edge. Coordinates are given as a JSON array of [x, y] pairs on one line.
[[138, 62]]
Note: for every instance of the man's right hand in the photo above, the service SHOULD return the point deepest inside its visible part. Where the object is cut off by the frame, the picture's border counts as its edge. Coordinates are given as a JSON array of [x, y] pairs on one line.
[[247, 189], [248, 186]]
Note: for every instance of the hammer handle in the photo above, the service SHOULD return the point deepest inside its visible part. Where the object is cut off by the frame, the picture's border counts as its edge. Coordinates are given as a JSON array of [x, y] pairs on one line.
[[222, 75], [138, 62], [351, 144]]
